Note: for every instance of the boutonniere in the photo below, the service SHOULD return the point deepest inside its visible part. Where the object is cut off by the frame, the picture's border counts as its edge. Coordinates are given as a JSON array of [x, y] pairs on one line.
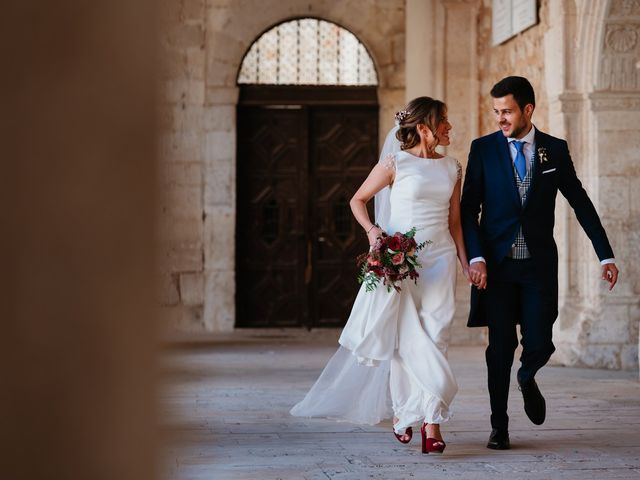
[[542, 154]]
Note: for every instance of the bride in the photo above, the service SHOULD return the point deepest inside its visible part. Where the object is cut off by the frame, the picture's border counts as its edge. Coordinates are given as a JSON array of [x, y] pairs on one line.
[[392, 358]]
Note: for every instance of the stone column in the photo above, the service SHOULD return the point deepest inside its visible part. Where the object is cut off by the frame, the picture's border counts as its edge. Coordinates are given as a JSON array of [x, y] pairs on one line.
[[181, 266], [456, 42], [392, 67], [441, 63], [220, 208], [597, 109], [423, 48], [77, 195], [612, 335]]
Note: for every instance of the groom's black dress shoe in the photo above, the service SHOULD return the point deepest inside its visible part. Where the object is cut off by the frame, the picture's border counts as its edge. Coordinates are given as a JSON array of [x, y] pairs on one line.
[[534, 405], [499, 440]]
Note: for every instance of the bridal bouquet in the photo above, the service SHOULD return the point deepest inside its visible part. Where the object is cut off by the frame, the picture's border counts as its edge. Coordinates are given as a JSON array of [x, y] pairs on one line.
[[390, 260]]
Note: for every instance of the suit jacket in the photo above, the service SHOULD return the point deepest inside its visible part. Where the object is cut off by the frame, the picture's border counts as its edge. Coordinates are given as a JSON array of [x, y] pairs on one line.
[[490, 190]]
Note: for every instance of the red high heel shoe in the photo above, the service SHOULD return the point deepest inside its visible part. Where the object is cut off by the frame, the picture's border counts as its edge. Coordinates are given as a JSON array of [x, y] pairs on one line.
[[408, 432], [431, 445]]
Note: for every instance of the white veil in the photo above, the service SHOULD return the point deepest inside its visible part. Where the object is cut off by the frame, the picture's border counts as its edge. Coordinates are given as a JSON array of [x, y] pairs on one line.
[[382, 202], [348, 389]]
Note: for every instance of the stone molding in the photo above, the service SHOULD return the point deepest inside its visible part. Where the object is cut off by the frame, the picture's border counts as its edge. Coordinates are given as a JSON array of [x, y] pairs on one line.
[[215, 95], [570, 102], [614, 101], [625, 8]]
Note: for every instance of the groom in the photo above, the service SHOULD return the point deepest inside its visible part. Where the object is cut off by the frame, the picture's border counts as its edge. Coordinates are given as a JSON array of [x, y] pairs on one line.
[[513, 176]]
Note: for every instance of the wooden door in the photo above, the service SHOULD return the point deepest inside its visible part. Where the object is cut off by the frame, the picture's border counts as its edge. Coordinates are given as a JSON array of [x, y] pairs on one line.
[[271, 225], [298, 167], [343, 148]]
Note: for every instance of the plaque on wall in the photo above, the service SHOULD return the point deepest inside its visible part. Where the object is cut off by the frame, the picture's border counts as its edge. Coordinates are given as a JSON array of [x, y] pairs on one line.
[[501, 21], [510, 17]]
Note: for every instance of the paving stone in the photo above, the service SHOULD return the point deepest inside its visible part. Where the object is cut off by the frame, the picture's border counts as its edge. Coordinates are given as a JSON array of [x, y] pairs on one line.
[[225, 408]]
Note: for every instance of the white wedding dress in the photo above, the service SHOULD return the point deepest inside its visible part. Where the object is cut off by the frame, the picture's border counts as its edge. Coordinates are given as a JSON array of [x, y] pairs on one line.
[[393, 354]]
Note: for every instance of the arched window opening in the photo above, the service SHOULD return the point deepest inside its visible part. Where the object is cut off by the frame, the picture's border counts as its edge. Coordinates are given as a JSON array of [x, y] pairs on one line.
[[307, 51]]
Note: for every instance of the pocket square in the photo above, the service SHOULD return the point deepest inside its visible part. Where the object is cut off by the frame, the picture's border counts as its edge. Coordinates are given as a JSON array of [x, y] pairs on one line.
[[548, 171]]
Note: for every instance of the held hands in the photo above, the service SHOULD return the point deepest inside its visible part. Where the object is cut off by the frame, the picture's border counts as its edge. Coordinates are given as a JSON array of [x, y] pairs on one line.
[[610, 274], [477, 275]]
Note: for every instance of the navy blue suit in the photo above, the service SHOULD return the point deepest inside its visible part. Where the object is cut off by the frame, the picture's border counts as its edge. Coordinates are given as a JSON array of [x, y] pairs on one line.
[[521, 292]]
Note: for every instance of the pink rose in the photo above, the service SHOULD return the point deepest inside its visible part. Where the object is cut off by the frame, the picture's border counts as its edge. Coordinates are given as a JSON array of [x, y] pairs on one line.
[[398, 258]]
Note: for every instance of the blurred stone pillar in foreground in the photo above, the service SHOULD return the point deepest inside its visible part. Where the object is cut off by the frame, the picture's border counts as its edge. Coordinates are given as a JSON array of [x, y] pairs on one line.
[[77, 201]]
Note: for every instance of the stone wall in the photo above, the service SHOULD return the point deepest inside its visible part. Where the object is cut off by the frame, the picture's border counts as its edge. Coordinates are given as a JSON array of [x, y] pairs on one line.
[[578, 59], [522, 55], [595, 104], [203, 47], [184, 122]]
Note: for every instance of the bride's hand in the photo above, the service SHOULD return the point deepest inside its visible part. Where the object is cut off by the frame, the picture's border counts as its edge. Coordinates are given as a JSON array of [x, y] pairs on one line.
[[373, 234], [472, 277], [465, 271]]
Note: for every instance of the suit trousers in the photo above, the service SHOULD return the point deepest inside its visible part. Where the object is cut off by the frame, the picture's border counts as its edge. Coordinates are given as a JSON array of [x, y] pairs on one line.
[[515, 295]]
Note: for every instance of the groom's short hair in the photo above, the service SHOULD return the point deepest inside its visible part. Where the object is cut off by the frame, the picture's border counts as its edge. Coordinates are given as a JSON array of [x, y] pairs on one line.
[[519, 87]]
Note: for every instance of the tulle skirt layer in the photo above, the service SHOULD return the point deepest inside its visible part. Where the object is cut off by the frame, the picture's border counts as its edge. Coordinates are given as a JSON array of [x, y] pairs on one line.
[[348, 390]]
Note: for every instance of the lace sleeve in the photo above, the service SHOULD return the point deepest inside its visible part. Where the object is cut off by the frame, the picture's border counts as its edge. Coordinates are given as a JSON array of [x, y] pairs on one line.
[[459, 170], [389, 162]]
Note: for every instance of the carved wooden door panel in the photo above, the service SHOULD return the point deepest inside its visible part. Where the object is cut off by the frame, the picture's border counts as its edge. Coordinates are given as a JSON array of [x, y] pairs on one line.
[[271, 208], [343, 148], [296, 237]]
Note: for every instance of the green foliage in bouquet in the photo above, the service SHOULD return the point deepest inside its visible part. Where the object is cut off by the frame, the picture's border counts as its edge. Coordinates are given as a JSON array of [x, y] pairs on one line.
[[390, 260]]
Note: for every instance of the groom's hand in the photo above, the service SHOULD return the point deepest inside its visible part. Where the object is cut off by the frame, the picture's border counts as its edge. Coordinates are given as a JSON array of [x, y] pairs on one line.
[[610, 274], [478, 274]]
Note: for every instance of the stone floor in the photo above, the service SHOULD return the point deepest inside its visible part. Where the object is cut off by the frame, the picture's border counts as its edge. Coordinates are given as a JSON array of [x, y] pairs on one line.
[[225, 413]]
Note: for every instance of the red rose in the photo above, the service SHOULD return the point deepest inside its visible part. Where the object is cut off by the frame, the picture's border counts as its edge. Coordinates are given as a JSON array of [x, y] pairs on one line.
[[395, 243]]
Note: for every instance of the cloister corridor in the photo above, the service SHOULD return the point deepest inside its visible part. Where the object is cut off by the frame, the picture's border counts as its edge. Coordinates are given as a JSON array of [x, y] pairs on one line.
[[226, 401]]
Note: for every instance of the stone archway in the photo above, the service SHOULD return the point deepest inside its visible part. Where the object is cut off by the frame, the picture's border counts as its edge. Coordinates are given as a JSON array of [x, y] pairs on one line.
[[594, 90], [218, 36], [307, 136]]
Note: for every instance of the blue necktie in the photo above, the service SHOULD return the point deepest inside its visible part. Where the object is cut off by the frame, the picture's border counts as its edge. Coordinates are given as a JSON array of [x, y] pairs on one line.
[[520, 162]]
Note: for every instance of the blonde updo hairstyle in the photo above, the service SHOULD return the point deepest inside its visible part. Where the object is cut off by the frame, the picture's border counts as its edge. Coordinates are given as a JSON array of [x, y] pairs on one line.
[[422, 110]]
